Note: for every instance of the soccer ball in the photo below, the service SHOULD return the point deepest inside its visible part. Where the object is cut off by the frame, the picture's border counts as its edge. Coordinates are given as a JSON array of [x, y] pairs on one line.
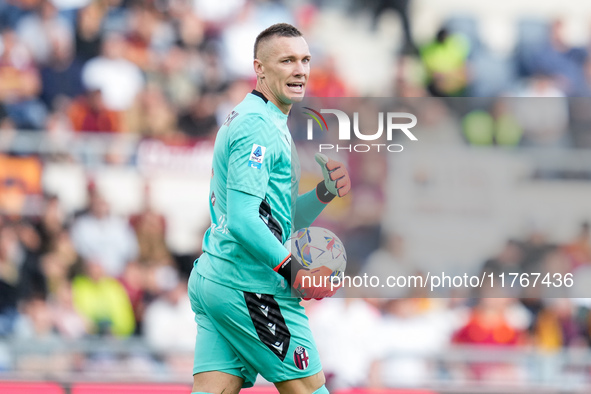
[[316, 246]]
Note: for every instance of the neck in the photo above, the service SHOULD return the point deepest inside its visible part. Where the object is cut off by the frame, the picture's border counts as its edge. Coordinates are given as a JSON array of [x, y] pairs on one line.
[[264, 89]]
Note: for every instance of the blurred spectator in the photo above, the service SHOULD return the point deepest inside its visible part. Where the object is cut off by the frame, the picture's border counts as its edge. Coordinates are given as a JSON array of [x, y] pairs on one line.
[[51, 222], [146, 33], [579, 249], [508, 260], [35, 321], [494, 321], [168, 320], [60, 74], [199, 121], [68, 323], [564, 63], [11, 257], [190, 28], [535, 248], [118, 79], [8, 311], [216, 14], [212, 74], [326, 81], [498, 127], [32, 281], [134, 280], [142, 21], [88, 34], [409, 78], [88, 113], [151, 115], [43, 30], [556, 262], [411, 331], [103, 238], [439, 123], [36, 327], [20, 83], [20, 178], [60, 129], [555, 325], [540, 85], [401, 7], [236, 38], [359, 324], [11, 11], [545, 121], [64, 5], [390, 259], [445, 60], [174, 78], [150, 230], [6, 123], [103, 301]]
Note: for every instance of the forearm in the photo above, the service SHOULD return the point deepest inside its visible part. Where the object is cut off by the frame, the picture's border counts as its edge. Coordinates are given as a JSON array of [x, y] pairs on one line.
[[247, 227], [308, 207]]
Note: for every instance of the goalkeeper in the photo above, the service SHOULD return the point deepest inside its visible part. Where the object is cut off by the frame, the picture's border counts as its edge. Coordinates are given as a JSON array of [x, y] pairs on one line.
[[240, 288]]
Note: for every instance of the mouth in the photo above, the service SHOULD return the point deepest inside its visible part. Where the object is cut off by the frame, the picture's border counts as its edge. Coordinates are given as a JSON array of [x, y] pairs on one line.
[[296, 87]]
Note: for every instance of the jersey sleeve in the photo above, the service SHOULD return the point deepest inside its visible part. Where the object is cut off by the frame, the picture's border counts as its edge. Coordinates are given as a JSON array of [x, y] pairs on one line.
[[308, 207], [247, 227], [250, 156]]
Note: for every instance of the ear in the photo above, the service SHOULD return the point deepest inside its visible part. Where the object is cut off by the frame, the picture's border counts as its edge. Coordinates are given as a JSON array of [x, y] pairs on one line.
[[259, 69]]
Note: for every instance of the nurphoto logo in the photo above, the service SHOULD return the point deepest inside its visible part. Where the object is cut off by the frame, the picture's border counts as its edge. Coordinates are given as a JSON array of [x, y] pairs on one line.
[[395, 121]]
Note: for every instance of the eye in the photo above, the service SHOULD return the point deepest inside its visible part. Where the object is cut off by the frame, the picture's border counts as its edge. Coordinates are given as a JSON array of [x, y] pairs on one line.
[[286, 61], [306, 61]]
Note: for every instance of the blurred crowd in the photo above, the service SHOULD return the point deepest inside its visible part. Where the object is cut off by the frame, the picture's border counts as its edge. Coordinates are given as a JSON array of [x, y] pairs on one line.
[[164, 69], [171, 70], [410, 336]]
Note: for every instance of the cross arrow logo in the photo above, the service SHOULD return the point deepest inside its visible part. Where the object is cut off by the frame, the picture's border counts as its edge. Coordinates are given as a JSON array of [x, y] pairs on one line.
[[271, 328], [278, 346]]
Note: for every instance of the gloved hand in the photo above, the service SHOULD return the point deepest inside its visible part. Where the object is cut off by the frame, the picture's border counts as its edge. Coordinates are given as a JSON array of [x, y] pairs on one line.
[[336, 178], [315, 283], [308, 283]]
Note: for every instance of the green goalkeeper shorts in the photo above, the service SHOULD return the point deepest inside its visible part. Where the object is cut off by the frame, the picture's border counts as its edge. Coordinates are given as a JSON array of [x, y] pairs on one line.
[[245, 334]]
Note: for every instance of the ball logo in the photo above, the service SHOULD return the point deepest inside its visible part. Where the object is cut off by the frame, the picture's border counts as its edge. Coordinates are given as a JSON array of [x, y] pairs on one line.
[[330, 243], [300, 358]]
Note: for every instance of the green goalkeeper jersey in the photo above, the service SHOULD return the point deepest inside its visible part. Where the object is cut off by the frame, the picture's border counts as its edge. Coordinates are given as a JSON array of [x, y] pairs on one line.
[[254, 154]]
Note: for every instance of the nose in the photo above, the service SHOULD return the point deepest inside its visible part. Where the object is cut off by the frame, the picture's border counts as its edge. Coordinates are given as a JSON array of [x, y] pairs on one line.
[[300, 69]]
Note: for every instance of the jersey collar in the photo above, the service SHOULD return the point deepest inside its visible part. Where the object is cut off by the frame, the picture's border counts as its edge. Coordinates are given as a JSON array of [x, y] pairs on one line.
[[259, 94], [276, 111]]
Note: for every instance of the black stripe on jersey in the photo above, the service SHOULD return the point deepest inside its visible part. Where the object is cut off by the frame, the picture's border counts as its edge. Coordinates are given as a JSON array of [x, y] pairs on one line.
[[257, 93], [268, 322], [272, 223]]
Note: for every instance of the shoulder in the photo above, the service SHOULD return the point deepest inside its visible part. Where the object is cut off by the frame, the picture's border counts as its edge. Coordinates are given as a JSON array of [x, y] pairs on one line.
[[250, 117]]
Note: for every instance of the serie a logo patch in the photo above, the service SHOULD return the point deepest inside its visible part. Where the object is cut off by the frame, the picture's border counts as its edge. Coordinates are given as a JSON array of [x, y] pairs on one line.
[[257, 155], [300, 358]]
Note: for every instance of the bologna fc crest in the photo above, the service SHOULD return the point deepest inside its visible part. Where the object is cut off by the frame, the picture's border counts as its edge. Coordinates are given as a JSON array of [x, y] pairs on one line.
[[300, 358]]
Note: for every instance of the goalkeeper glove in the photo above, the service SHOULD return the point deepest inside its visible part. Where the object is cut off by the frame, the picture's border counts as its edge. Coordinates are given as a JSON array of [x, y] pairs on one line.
[[336, 179], [315, 283]]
